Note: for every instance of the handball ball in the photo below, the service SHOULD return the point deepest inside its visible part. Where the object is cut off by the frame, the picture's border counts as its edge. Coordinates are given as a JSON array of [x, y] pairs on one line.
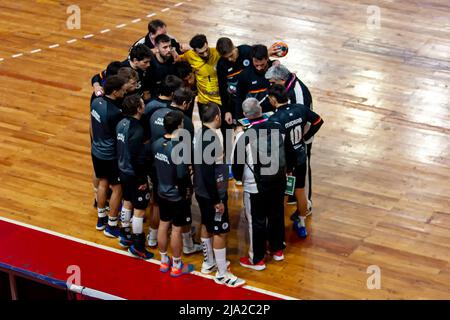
[[283, 47]]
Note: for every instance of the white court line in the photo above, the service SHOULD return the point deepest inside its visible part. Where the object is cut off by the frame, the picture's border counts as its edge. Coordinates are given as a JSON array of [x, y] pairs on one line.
[[121, 25], [96, 245], [17, 55], [88, 36], [178, 4], [35, 51], [151, 15], [71, 41], [136, 20], [165, 9], [105, 30], [53, 46]]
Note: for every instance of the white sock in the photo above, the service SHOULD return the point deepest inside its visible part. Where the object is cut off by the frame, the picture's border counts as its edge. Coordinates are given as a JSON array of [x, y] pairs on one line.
[[101, 212], [125, 217], [164, 257], [187, 240], [302, 221], [113, 221], [177, 262], [221, 260], [208, 250], [153, 234], [138, 225]]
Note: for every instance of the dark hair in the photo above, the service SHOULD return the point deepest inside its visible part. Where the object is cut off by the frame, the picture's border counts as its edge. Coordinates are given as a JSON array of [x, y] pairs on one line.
[[131, 104], [128, 73], [210, 112], [224, 46], [260, 52], [114, 83], [154, 25], [182, 95], [113, 68], [162, 38], [183, 69], [198, 41], [140, 52], [172, 121], [279, 92], [169, 85]]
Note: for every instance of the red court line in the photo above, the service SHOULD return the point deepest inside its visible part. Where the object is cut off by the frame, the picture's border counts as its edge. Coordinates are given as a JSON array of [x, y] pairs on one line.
[[107, 271]]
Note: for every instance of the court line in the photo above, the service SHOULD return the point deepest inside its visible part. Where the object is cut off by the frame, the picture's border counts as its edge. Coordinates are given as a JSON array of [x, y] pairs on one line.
[[88, 36], [122, 252]]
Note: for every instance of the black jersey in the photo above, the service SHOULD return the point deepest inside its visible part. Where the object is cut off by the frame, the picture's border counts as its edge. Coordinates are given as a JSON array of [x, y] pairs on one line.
[[131, 149], [149, 43], [156, 123], [228, 72], [298, 92], [252, 84], [105, 114], [293, 119], [158, 72], [172, 172], [210, 171]]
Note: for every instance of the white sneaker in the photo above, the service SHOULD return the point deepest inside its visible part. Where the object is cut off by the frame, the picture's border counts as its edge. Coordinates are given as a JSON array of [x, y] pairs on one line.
[[238, 183], [152, 242], [229, 279], [194, 249], [208, 268]]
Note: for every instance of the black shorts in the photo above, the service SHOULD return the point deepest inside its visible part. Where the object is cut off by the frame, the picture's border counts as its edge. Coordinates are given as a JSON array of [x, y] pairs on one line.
[[208, 213], [299, 173], [130, 189], [106, 169], [174, 211]]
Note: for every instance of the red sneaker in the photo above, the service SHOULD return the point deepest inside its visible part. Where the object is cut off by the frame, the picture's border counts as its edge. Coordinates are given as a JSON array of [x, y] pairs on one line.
[[278, 255], [247, 263]]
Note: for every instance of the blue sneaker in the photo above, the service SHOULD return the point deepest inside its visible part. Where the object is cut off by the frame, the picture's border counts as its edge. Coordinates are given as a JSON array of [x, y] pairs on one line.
[[125, 241], [111, 232], [141, 254], [101, 223], [300, 230], [185, 269]]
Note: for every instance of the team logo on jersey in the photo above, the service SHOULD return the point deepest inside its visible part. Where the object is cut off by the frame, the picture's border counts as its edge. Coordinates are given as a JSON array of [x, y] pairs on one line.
[[225, 226], [147, 196], [254, 82], [140, 199], [246, 63], [121, 137], [216, 228], [188, 219]]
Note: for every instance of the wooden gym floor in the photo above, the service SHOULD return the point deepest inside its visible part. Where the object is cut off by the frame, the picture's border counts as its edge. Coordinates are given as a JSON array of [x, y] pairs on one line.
[[380, 163]]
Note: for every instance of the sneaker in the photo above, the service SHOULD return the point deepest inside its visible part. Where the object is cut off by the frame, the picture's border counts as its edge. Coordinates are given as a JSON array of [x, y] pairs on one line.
[[152, 243], [165, 266], [125, 239], [300, 230], [278, 255], [247, 263], [185, 269], [101, 223], [295, 216], [229, 279], [292, 200], [238, 183], [208, 268], [194, 249], [111, 232], [142, 254]]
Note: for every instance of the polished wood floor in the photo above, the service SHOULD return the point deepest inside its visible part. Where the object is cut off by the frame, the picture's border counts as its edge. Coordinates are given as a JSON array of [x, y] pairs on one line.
[[381, 161]]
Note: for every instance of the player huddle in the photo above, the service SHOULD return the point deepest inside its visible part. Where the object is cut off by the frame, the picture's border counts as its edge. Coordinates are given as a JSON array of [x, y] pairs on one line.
[[144, 149]]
